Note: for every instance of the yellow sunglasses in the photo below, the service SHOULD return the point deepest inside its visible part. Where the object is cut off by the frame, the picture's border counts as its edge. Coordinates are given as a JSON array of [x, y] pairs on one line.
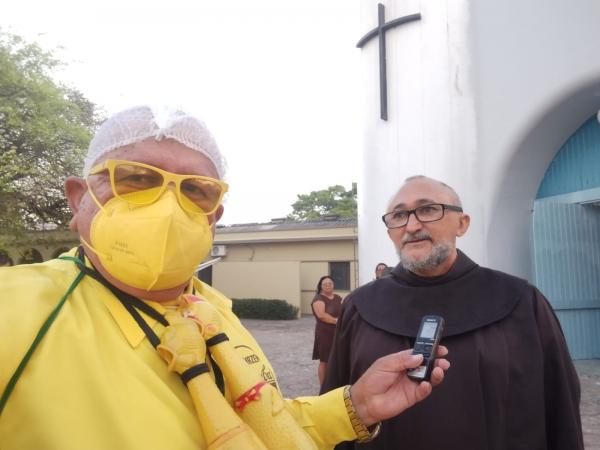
[[142, 184]]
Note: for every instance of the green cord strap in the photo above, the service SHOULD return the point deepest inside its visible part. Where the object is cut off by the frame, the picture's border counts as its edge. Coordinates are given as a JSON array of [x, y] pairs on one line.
[[72, 258], [43, 329]]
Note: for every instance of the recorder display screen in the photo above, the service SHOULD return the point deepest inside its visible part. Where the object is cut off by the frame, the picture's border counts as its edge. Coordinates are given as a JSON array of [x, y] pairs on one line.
[[428, 331]]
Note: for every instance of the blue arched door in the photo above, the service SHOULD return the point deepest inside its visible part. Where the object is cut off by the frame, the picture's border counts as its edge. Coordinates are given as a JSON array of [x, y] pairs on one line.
[[566, 239]]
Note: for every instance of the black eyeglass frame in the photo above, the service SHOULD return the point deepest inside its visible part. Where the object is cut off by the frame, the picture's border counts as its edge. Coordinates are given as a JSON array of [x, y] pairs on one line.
[[414, 211]]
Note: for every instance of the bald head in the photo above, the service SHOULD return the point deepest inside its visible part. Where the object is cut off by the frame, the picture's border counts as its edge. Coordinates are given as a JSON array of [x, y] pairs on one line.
[[447, 193]]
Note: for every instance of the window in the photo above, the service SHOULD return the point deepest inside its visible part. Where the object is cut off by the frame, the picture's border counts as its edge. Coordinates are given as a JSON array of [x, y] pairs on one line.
[[205, 275], [340, 272]]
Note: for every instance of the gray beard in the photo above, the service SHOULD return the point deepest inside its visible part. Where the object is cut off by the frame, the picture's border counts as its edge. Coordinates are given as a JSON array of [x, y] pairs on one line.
[[439, 253]]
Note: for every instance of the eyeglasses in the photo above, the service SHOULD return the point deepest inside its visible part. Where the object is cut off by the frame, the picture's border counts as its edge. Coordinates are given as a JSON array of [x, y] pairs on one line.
[[425, 213], [142, 184]]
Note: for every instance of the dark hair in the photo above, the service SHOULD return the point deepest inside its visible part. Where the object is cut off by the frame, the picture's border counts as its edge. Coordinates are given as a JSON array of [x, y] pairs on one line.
[[321, 281], [381, 264]]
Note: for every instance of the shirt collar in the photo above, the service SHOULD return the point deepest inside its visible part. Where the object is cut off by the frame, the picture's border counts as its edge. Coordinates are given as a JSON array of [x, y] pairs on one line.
[[129, 327]]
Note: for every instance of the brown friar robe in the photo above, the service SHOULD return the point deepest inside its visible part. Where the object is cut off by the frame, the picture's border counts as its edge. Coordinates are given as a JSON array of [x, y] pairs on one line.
[[511, 384]]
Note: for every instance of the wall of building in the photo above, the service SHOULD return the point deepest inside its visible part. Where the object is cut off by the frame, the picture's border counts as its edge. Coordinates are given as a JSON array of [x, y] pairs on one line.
[[537, 80], [283, 270], [46, 244], [481, 94], [289, 251], [260, 279]]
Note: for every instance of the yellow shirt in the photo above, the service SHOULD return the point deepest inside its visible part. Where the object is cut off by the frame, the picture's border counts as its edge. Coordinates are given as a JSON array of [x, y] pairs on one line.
[[96, 382]]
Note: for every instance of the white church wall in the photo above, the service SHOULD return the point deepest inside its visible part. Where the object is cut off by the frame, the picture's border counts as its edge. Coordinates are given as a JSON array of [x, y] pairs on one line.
[[537, 75], [481, 94], [431, 125]]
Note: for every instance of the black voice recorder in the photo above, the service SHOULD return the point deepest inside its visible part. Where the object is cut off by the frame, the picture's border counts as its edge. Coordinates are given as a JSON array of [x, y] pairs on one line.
[[428, 338]]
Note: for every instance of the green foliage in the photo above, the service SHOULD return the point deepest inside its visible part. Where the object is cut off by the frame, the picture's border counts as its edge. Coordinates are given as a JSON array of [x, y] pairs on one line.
[[259, 308], [45, 128], [333, 200]]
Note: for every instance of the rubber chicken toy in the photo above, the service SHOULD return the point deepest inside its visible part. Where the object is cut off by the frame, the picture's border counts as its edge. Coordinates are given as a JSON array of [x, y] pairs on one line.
[[184, 348], [258, 418]]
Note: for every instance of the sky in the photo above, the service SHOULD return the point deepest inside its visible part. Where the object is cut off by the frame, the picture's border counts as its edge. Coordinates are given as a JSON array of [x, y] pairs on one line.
[[276, 82]]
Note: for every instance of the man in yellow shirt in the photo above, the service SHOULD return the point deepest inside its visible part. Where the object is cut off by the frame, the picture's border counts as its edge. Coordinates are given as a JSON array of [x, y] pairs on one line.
[[79, 367]]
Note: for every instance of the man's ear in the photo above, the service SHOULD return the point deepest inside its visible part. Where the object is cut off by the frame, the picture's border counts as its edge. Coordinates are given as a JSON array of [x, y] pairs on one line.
[[219, 213], [75, 189], [215, 217], [464, 222]]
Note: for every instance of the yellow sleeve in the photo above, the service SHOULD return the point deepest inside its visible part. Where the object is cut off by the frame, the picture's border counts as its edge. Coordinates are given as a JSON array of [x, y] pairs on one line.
[[324, 417]]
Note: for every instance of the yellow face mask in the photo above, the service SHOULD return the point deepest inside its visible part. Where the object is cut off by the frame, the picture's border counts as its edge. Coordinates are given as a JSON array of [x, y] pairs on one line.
[[151, 247]]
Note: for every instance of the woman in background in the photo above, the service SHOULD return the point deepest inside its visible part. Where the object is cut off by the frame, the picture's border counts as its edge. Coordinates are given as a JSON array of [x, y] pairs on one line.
[[326, 307], [381, 269]]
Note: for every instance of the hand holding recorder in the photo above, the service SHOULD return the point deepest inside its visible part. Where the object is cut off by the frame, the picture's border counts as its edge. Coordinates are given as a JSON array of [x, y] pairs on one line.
[[385, 390]]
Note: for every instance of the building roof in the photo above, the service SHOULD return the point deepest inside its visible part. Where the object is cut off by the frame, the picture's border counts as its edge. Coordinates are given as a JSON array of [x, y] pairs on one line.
[[284, 224]]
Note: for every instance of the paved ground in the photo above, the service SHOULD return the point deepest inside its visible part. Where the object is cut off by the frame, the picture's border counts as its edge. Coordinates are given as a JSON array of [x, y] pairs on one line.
[[288, 345]]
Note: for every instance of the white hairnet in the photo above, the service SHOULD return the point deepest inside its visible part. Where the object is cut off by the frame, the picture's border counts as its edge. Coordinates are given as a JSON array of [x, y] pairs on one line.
[[142, 122]]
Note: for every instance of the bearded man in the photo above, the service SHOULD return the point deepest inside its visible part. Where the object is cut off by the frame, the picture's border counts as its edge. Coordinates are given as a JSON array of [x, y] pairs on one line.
[[84, 336], [513, 385]]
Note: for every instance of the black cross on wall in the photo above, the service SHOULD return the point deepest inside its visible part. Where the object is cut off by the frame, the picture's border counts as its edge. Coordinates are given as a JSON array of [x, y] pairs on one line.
[[382, 27]]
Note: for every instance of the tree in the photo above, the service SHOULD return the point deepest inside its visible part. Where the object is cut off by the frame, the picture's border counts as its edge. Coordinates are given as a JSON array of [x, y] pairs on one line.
[[45, 128], [333, 200]]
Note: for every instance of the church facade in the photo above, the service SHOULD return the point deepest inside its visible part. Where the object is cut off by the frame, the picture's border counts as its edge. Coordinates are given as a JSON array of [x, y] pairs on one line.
[[500, 100]]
